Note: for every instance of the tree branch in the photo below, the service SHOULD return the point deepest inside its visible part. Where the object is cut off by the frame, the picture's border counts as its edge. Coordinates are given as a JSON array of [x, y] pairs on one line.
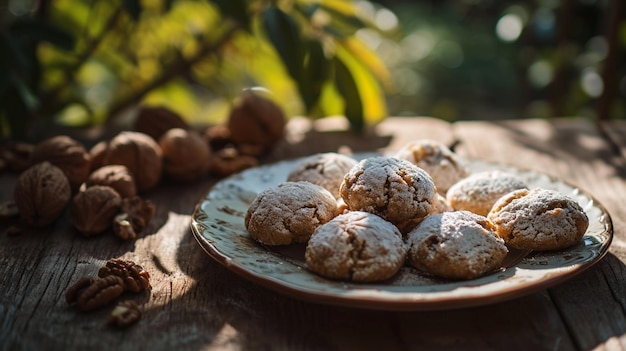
[[177, 69], [50, 97]]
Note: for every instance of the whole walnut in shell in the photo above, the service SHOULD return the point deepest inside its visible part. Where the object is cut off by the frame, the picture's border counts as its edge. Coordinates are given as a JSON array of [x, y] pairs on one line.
[[93, 210], [256, 123], [140, 154], [155, 121], [117, 177], [185, 154], [97, 153], [67, 154], [41, 194]]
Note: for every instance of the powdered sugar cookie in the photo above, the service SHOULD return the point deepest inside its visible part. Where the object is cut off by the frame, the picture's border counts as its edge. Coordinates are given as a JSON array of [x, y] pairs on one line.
[[356, 246], [443, 165], [478, 192], [455, 245], [325, 169], [539, 219], [393, 189], [289, 213]]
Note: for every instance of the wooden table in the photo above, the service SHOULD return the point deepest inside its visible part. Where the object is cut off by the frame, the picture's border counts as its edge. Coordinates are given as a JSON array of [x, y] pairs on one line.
[[197, 304]]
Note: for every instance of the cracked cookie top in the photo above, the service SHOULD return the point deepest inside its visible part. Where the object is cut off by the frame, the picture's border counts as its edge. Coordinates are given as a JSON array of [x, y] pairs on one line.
[[356, 246], [393, 189], [539, 219], [289, 213], [444, 166], [325, 169], [455, 245]]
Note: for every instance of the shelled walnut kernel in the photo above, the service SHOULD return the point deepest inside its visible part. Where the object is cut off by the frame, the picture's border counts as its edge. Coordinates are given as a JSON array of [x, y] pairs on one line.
[[91, 293], [134, 276]]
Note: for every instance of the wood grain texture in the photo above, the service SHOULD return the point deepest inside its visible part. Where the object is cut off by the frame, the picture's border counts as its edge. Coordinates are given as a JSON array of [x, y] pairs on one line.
[[196, 304]]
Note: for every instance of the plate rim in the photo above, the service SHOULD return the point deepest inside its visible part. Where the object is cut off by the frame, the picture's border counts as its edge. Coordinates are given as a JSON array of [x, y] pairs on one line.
[[408, 301]]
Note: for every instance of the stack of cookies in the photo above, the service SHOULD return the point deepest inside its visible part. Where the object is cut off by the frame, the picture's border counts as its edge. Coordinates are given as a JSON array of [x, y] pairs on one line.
[[422, 207]]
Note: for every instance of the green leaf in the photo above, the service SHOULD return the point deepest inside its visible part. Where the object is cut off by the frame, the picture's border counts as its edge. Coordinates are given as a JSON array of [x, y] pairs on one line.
[[37, 30], [284, 34], [357, 76], [12, 56], [235, 9], [26, 95], [316, 72], [347, 87], [133, 7]]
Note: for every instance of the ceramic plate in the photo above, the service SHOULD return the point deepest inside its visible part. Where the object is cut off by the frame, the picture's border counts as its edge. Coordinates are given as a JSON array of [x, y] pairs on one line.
[[218, 225]]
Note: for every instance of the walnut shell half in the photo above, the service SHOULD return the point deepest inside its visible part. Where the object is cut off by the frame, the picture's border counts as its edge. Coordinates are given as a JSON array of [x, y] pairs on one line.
[[41, 194]]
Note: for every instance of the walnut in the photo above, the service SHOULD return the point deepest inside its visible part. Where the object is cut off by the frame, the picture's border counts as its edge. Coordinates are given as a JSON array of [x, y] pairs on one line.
[[92, 211], [15, 156], [140, 154], [228, 161], [41, 194], [185, 155], [125, 314], [97, 153], [117, 177], [134, 276], [155, 121], [255, 120], [67, 154], [91, 293]]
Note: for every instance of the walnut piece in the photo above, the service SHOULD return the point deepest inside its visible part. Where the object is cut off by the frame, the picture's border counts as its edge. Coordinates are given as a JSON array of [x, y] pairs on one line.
[[139, 211], [155, 121], [117, 177], [41, 194], [90, 293], [255, 120], [92, 211], [217, 136], [125, 314], [185, 155], [123, 228], [67, 154], [140, 154], [134, 276], [228, 161]]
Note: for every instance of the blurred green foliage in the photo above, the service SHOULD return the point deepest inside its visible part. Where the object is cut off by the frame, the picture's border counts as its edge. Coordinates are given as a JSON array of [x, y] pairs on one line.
[[90, 62], [485, 59]]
